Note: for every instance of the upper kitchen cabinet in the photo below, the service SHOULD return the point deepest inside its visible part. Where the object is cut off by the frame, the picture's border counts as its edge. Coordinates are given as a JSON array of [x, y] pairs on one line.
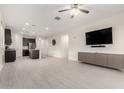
[[8, 39]]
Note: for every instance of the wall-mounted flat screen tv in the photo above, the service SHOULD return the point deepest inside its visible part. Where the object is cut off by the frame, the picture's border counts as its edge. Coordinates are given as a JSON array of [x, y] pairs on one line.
[[102, 36]]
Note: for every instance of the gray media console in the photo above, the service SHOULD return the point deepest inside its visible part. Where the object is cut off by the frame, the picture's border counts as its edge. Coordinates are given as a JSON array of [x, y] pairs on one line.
[[102, 59]]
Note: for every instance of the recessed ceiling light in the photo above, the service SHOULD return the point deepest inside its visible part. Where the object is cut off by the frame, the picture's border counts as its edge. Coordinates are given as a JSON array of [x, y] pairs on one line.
[[39, 38], [23, 28], [33, 32], [27, 24], [21, 32], [46, 28]]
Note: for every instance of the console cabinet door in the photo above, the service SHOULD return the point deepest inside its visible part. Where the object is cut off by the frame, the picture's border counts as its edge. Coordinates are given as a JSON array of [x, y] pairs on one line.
[[91, 58], [87, 57], [116, 60], [101, 59], [82, 57]]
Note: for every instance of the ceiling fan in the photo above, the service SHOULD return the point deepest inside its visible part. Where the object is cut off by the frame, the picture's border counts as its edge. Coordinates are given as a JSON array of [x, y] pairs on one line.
[[74, 9]]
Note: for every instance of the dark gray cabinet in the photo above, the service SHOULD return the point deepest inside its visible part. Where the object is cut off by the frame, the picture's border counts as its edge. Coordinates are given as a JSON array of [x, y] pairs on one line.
[[87, 57], [25, 52], [116, 60], [90, 58], [101, 59], [108, 60], [34, 54], [83, 57], [10, 55], [26, 41], [8, 39]]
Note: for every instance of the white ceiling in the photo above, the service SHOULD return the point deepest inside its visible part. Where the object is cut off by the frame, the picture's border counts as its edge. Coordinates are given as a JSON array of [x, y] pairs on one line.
[[42, 15]]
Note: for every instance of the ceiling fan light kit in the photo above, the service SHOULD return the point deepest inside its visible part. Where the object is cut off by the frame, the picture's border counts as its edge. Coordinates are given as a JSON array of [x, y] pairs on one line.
[[74, 10]]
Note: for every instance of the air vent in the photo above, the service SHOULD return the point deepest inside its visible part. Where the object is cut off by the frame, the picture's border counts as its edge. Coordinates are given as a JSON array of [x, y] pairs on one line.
[[33, 25], [57, 18]]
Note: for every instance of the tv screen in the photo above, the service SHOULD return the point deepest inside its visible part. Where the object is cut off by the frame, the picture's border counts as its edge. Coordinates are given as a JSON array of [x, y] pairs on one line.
[[102, 36]]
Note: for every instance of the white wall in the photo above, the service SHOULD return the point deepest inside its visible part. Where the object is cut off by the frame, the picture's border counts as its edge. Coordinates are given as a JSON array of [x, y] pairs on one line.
[[44, 48], [42, 45], [61, 48], [39, 45], [16, 43], [2, 25], [77, 38], [64, 45]]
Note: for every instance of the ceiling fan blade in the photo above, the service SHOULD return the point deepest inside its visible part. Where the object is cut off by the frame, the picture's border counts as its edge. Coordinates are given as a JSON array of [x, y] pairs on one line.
[[64, 10], [85, 11]]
